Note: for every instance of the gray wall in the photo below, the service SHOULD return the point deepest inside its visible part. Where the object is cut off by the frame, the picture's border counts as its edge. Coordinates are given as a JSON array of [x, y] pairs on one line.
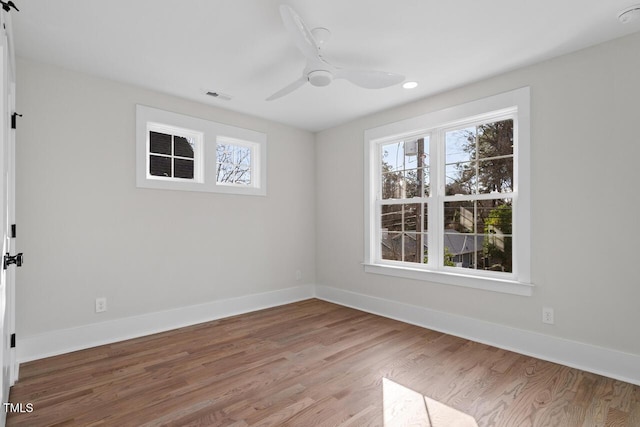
[[87, 231], [585, 231]]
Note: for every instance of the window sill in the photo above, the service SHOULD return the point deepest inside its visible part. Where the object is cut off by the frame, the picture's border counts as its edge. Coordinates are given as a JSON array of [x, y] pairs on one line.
[[486, 283]]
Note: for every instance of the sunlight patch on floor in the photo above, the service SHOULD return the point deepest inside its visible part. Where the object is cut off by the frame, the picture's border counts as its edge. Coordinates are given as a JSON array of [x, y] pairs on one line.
[[405, 407]]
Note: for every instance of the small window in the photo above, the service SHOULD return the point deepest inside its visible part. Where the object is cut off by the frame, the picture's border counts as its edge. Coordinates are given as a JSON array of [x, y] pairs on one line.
[[174, 153], [178, 152], [235, 162]]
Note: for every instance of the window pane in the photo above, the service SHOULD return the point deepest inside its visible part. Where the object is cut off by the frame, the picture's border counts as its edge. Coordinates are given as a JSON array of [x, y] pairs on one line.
[[392, 156], [159, 143], [391, 246], [183, 168], [224, 153], [243, 156], [478, 234], [411, 150], [234, 164], [495, 221], [461, 250], [243, 175], [412, 217], [224, 172], [498, 252], [409, 156], [460, 145], [495, 139], [460, 178], [392, 183], [183, 147], [412, 243], [160, 166], [391, 218], [495, 175], [459, 217], [401, 155], [415, 183], [494, 216]]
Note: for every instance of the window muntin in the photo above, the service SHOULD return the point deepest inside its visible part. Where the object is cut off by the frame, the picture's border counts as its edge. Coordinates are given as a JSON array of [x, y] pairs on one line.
[[476, 208]]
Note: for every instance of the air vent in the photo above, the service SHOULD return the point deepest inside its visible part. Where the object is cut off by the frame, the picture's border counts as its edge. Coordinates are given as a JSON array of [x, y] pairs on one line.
[[219, 95]]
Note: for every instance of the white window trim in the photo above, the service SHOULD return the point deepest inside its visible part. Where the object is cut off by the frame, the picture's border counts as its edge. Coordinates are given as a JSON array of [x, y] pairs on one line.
[[211, 131], [519, 282]]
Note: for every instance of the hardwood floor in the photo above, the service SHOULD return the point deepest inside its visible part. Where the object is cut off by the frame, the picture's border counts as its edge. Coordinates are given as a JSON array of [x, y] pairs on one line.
[[313, 363]]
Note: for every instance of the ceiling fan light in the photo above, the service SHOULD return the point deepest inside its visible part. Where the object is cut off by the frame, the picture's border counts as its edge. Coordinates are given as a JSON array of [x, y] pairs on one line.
[[320, 78]]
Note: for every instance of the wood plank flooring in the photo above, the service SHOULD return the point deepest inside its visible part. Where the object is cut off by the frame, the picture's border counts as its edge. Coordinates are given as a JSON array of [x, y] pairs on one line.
[[313, 363]]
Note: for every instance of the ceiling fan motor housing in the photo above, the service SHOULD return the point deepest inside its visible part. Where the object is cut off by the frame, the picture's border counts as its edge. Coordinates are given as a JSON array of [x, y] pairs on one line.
[[320, 78]]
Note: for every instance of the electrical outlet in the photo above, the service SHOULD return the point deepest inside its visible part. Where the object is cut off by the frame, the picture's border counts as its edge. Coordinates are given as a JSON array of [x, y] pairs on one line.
[[547, 315], [298, 275], [101, 305]]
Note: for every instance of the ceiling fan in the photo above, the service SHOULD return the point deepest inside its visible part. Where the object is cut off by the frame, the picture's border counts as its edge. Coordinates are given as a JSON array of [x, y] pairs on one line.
[[318, 71]]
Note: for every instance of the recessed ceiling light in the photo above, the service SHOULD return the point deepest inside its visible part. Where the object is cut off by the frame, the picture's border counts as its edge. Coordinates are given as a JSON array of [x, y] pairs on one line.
[[630, 14], [410, 85]]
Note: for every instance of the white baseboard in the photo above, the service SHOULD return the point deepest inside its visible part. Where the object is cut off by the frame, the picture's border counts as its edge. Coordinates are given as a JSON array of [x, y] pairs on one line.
[[587, 357], [599, 360], [82, 337]]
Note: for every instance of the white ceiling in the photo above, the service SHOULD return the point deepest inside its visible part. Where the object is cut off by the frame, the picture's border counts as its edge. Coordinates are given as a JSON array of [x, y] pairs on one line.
[[240, 47]]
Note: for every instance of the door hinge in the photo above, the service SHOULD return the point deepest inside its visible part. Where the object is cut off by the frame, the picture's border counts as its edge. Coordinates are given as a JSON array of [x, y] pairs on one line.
[[13, 119], [13, 259], [13, 340], [13, 231]]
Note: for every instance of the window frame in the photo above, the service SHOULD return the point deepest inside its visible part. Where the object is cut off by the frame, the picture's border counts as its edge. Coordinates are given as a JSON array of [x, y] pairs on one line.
[[204, 157], [513, 104]]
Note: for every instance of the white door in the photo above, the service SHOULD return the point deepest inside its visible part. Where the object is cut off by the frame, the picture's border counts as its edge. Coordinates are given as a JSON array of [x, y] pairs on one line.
[[7, 211]]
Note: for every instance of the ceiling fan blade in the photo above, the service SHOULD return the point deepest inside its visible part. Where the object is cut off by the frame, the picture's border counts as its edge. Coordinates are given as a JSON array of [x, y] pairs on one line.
[[369, 79], [301, 35], [288, 89]]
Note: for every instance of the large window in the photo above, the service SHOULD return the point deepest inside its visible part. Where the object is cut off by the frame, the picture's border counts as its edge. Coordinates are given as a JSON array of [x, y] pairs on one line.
[[178, 152], [448, 196]]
